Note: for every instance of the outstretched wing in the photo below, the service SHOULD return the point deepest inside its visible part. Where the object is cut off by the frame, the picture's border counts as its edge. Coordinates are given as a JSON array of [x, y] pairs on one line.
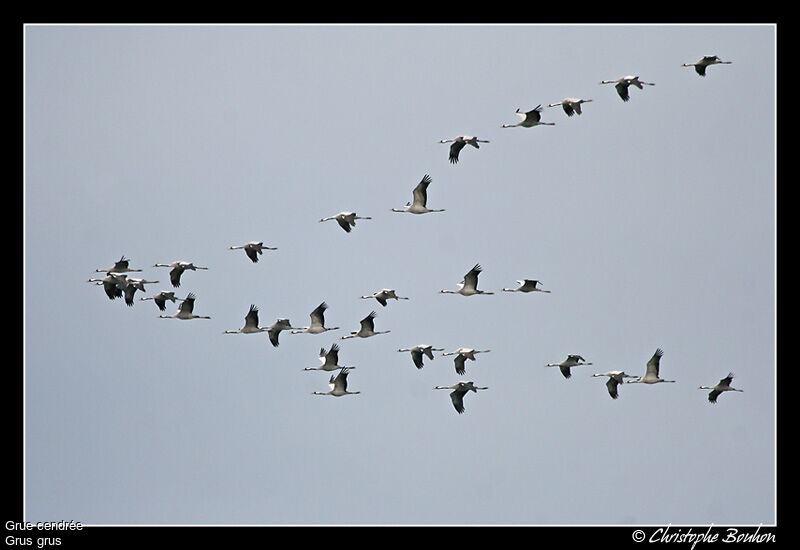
[[655, 362], [622, 90], [612, 387], [416, 356], [344, 224], [455, 148], [175, 276], [534, 114], [318, 315], [421, 191], [368, 322], [471, 278], [457, 397]]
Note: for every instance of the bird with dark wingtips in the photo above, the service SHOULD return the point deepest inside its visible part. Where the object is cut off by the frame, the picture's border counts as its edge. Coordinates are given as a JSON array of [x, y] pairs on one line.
[[458, 143], [700, 66], [565, 365], [459, 390], [723, 386]]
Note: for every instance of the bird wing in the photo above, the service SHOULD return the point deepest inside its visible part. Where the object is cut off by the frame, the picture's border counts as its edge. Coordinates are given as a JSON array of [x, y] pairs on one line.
[[112, 290], [622, 90], [712, 396], [701, 69], [252, 253], [460, 361], [344, 224], [534, 114], [569, 109], [175, 276], [471, 278], [428, 352], [727, 380], [318, 315], [188, 304], [654, 363], [455, 148], [332, 357], [457, 397], [273, 334], [421, 191], [160, 302], [340, 382], [416, 356], [565, 371], [130, 290], [381, 299], [612, 387], [251, 319], [368, 322]]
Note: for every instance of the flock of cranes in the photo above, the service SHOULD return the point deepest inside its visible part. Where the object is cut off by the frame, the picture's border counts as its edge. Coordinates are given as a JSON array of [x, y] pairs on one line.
[[117, 284]]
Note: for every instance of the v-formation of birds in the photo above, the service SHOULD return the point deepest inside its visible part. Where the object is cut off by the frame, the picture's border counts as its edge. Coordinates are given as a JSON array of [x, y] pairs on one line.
[[118, 284]]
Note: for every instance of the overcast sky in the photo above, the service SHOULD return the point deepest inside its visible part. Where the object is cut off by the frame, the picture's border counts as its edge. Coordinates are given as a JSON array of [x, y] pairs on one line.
[[652, 222]]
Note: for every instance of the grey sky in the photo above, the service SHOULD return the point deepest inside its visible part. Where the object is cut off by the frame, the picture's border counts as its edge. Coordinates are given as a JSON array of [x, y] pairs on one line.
[[652, 222]]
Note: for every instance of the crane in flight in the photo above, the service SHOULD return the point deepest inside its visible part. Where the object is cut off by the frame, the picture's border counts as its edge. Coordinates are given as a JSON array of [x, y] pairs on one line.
[[622, 85], [459, 390], [572, 360], [615, 378], [317, 325], [653, 366], [462, 354], [177, 270], [253, 249], [420, 196], [527, 285], [469, 285], [706, 61], [458, 143], [338, 384], [367, 328], [346, 220], [383, 295], [185, 310], [723, 386], [530, 119], [571, 105], [418, 351]]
